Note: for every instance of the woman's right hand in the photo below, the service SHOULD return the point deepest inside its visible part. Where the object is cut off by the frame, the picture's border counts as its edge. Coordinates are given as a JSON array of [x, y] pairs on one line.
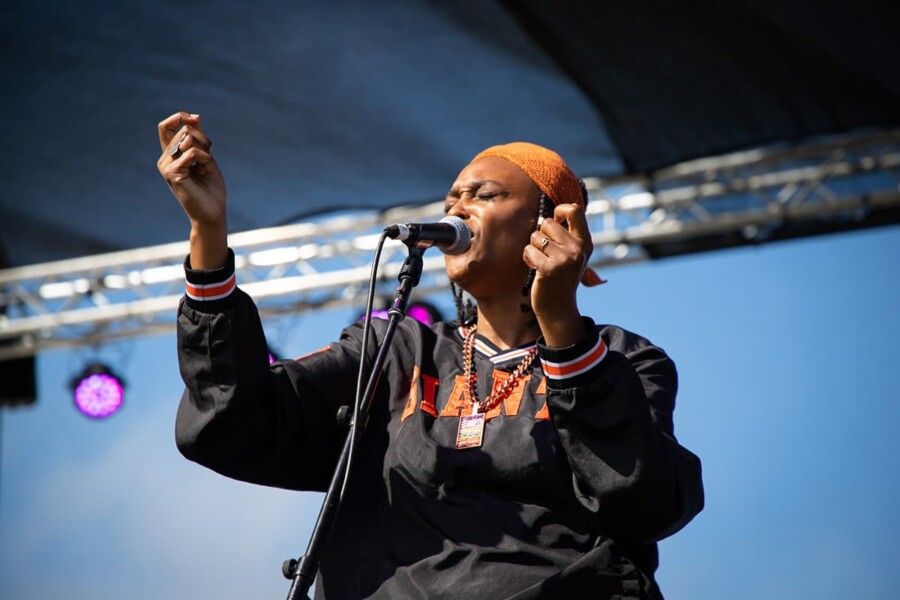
[[191, 172]]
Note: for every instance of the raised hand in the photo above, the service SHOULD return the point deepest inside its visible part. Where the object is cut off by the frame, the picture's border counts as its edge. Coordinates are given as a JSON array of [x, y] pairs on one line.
[[559, 255], [187, 165]]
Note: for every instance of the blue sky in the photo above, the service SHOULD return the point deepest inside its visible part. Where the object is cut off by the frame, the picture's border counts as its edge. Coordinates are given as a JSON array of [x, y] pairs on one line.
[[786, 354]]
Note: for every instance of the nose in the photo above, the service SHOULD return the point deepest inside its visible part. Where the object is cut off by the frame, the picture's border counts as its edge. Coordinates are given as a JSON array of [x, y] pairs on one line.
[[459, 209]]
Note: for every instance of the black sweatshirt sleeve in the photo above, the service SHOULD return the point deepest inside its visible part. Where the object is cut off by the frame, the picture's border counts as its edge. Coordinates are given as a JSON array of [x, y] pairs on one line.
[[272, 425], [611, 398]]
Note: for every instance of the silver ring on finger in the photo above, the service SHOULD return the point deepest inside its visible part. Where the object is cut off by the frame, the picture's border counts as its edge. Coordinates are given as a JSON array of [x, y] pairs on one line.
[[544, 243], [175, 152]]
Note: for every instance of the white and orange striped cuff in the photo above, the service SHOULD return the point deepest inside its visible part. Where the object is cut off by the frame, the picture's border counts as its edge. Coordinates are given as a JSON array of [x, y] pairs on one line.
[[204, 286], [573, 368], [208, 292]]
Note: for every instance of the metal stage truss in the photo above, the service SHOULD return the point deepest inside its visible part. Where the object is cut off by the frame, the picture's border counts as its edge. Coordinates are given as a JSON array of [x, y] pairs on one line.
[[752, 197]]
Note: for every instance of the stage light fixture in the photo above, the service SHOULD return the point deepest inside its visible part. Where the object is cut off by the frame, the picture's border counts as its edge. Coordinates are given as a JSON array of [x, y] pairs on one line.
[[423, 312], [97, 391]]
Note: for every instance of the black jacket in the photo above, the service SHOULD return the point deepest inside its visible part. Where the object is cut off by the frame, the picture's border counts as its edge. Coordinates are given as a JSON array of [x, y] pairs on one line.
[[579, 475]]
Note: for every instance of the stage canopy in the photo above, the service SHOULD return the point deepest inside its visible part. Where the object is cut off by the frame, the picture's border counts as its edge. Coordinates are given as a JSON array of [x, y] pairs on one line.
[[321, 106]]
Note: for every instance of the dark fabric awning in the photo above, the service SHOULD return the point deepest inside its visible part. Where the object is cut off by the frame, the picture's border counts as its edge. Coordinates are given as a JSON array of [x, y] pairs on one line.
[[316, 106], [680, 80]]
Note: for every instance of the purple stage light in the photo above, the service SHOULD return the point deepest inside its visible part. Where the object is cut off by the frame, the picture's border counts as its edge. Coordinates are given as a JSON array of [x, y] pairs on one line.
[[98, 393], [274, 356], [423, 312]]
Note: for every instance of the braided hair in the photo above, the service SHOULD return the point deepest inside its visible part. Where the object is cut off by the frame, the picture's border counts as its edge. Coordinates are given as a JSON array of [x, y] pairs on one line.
[[545, 211], [465, 308]]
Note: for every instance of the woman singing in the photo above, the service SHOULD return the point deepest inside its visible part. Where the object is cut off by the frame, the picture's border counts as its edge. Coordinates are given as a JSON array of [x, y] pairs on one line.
[[522, 451]]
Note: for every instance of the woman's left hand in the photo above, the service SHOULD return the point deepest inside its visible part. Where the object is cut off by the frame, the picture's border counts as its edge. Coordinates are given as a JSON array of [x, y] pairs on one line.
[[559, 255]]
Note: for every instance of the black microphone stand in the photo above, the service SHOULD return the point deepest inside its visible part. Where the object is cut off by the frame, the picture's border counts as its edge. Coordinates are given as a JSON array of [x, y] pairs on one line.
[[303, 572]]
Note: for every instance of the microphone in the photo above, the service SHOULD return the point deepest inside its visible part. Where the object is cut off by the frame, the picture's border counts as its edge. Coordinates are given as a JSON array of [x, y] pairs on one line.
[[451, 234]]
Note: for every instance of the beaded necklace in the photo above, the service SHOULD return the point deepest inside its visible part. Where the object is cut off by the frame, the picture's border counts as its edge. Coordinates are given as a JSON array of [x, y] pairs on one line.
[[471, 427]]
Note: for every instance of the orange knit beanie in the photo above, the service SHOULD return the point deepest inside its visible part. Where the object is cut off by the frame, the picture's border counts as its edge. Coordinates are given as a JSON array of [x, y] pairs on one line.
[[550, 173], [545, 167]]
